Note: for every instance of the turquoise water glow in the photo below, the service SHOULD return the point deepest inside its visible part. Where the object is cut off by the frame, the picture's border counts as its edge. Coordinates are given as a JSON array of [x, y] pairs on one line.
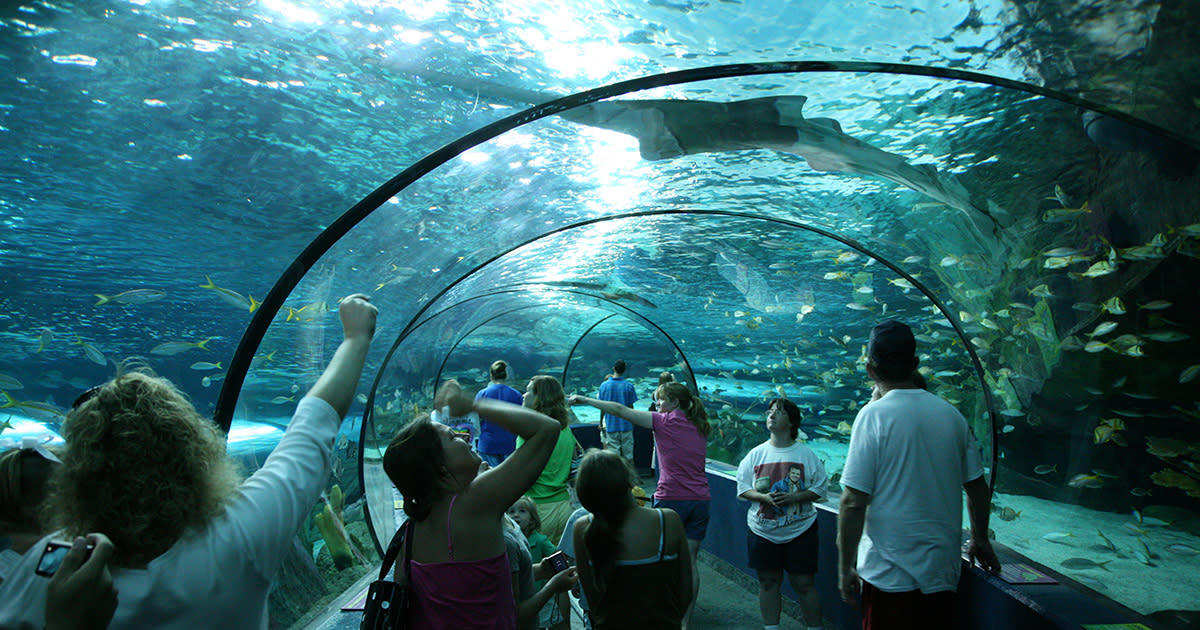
[[196, 149]]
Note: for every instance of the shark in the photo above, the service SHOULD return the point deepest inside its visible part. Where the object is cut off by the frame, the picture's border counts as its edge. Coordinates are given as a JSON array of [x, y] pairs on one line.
[[670, 128]]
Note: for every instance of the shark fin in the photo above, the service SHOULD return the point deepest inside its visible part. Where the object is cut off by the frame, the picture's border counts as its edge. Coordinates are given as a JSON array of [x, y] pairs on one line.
[[655, 141], [828, 123], [789, 108]]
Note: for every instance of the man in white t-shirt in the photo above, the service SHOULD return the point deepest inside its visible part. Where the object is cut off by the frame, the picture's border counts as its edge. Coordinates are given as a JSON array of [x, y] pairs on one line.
[[783, 477], [911, 456]]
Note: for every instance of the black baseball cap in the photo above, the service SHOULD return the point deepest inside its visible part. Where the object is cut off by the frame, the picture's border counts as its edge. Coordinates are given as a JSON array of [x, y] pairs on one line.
[[891, 342]]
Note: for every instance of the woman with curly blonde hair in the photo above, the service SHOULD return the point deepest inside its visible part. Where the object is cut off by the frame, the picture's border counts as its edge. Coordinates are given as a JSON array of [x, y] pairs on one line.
[[194, 548], [142, 466], [545, 394]]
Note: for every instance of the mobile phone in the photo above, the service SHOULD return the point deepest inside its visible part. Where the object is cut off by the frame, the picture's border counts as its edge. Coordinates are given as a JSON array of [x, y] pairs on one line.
[[53, 554], [559, 560]]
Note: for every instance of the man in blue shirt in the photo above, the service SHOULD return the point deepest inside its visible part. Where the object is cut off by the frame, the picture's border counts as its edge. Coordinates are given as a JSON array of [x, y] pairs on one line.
[[495, 442], [619, 432]]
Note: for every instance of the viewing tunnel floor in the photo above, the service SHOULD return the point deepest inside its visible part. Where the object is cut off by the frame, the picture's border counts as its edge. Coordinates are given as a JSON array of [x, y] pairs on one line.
[[729, 592], [728, 599]]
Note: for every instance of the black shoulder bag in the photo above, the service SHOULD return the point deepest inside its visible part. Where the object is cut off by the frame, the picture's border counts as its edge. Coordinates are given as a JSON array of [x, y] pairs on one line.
[[387, 603]]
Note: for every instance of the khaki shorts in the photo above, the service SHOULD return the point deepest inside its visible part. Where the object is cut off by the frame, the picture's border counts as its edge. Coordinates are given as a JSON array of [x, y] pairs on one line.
[[621, 442], [554, 517]]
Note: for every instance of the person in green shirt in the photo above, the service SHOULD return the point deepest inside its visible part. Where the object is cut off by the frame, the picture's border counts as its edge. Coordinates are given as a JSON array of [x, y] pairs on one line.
[[549, 492]]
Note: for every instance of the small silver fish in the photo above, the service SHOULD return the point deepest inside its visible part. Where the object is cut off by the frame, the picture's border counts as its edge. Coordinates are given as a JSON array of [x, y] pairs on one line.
[[1083, 563], [134, 296], [205, 365], [1181, 549], [1189, 374]]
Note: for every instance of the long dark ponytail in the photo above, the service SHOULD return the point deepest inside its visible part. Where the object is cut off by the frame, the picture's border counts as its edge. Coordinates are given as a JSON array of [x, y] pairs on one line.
[[603, 484]]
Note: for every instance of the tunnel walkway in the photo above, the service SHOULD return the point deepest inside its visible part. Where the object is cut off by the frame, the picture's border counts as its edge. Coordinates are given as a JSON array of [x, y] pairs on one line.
[[728, 600]]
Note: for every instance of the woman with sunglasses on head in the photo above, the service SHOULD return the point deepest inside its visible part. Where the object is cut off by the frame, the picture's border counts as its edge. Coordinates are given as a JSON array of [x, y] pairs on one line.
[[460, 574], [192, 547]]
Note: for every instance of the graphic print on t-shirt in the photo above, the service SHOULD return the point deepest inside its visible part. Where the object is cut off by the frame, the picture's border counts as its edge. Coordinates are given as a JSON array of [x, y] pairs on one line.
[[780, 477]]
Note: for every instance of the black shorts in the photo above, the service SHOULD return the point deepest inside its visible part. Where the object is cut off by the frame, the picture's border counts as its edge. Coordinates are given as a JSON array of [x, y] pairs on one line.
[[797, 557], [908, 610]]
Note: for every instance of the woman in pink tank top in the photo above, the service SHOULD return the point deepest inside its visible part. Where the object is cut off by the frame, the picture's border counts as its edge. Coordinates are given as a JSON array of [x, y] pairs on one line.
[[460, 571]]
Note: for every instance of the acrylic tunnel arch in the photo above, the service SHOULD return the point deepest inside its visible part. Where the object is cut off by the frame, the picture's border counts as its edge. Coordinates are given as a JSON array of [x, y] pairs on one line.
[[430, 314], [272, 304], [687, 366], [566, 366]]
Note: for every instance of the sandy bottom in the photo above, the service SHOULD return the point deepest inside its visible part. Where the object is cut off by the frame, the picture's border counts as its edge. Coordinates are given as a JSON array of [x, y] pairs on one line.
[[1170, 584]]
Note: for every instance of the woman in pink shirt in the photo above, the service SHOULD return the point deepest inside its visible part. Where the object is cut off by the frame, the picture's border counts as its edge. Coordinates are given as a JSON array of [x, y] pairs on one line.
[[460, 572], [681, 431]]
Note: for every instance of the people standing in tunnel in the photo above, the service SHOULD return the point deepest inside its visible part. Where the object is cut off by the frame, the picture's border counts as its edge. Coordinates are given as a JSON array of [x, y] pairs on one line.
[[681, 431], [783, 477], [634, 562], [496, 442], [663, 379], [460, 575], [24, 475], [540, 603], [911, 456], [618, 431], [193, 547], [545, 395]]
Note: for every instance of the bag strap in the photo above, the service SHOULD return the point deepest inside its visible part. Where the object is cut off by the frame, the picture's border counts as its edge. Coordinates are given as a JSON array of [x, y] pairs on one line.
[[389, 557], [408, 553]]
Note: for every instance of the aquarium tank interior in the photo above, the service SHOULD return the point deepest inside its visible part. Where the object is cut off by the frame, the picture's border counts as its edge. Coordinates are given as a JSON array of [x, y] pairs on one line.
[[733, 191]]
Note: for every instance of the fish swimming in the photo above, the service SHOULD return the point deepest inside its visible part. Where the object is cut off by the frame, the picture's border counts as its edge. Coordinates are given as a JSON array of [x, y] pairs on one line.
[[172, 348], [230, 296], [205, 365], [1083, 563], [1113, 306], [1086, 481], [1189, 373], [44, 339], [90, 351], [133, 296], [666, 129]]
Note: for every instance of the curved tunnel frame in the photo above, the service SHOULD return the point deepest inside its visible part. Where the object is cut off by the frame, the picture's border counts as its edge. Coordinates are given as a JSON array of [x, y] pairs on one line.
[[414, 324], [261, 321], [567, 364]]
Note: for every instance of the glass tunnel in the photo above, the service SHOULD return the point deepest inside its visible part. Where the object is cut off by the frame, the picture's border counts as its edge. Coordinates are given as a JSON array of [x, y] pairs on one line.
[[674, 227], [731, 215]]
